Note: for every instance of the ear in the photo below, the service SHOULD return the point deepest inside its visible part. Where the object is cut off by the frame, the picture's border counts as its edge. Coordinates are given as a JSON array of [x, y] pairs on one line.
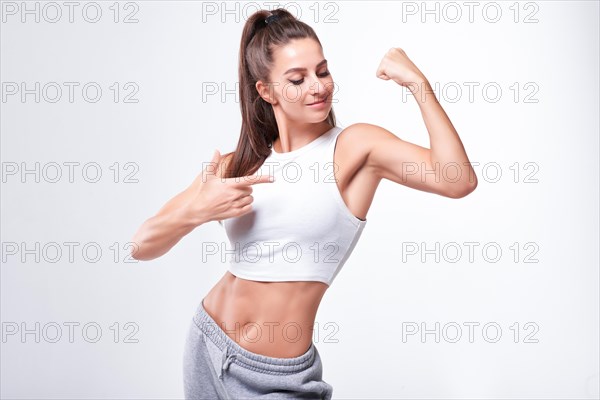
[[265, 92]]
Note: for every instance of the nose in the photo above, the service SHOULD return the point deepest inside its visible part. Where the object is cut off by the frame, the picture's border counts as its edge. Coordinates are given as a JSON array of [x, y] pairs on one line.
[[317, 87]]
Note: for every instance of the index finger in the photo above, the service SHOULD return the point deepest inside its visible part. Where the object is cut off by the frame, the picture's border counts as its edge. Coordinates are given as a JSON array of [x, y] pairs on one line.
[[252, 179]]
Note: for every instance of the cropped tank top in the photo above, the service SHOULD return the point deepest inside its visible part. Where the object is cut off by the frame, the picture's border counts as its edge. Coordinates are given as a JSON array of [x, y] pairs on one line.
[[299, 228]]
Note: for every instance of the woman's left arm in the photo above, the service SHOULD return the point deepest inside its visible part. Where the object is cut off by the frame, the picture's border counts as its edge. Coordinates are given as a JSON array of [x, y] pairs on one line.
[[446, 156]]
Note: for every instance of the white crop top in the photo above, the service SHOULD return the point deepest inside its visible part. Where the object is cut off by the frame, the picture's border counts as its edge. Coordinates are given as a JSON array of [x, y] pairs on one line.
[[299, 228]]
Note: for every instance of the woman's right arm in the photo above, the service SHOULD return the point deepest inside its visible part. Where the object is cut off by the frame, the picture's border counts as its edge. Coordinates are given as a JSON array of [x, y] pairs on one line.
[[158, 234], [208, 198]]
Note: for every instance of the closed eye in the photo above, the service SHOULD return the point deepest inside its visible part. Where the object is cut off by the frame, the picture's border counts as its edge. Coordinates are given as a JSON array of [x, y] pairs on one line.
[[322, 75]]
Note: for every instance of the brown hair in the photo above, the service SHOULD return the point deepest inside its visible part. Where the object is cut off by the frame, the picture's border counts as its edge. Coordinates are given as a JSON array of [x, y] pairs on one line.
[[259, 127]]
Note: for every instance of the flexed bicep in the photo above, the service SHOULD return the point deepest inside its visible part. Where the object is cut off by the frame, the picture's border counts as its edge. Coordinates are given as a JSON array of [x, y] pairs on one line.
[[402, 162]]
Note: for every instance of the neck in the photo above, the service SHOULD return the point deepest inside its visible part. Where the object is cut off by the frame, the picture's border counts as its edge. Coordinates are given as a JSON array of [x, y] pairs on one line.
[[292, 138]]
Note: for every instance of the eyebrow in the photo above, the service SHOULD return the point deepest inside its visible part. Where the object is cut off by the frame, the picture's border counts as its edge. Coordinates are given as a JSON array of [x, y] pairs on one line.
[[304, 69]]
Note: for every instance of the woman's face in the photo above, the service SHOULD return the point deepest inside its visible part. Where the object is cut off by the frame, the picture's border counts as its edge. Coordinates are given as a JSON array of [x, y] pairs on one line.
[[299, 78]]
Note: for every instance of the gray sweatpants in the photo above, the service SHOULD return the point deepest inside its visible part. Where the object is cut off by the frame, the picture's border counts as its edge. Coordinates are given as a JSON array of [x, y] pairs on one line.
[[216, 367]]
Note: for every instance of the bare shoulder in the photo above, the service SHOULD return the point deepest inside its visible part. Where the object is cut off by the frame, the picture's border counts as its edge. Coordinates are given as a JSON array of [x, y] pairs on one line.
[[360, 138], [360, 130]]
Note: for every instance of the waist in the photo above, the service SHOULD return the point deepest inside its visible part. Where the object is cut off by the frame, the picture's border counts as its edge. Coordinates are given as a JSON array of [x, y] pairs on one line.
[[275, 319]]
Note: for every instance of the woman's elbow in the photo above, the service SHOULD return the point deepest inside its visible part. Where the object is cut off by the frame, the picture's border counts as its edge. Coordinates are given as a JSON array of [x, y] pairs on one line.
[[138, 249], [462, 191]]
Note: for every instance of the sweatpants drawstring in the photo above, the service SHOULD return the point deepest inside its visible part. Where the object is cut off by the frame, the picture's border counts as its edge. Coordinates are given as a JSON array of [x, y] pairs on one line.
[[226, 361]]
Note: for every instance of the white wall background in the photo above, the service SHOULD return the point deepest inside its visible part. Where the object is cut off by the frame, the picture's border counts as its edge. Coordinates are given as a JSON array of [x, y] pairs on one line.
[[545, 211]]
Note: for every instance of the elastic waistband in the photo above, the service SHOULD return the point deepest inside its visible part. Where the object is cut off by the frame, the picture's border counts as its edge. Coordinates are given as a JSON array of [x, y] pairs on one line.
[[244, 357]]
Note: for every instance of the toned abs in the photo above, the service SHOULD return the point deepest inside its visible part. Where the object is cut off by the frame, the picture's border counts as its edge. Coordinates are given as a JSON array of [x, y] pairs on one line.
[[275, 319]]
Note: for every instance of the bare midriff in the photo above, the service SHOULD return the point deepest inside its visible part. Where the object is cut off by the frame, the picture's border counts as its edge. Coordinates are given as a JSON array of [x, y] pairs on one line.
[[274, 319]]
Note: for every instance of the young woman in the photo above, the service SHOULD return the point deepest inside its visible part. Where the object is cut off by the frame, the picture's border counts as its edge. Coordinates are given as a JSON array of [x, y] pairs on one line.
[[252, 333]]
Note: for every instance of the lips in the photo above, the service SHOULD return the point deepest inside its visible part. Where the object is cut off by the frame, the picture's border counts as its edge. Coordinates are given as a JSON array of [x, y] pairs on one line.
[[320, 101]]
